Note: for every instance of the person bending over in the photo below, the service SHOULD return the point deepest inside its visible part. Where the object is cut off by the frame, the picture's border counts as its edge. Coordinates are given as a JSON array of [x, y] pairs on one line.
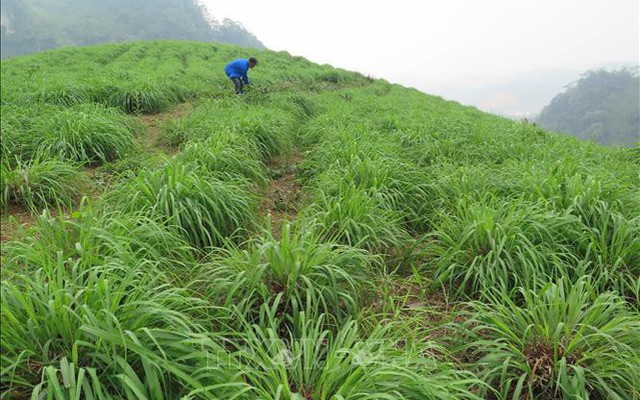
[[237, 72]]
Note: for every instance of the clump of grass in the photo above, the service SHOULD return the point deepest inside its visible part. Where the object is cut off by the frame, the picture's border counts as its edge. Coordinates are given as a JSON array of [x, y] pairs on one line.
[[269, 129], [198, 125], [65, 95], [565, 187], [127, 167], [561, 341], [608, 242], [296, 271], [86, 134], [451, 182], [141, 98], [40, 183], [208, 210], [302, 106], [611, 239], [262, 132], [218, 156], [400, 186], [356, 218], [89, 238], [344, 142], [309, 361], [108, 331], [21, 128], [494, 243], [305, 107]]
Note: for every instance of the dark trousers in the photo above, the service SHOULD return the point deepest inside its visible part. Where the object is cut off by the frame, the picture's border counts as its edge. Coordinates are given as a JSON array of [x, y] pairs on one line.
[[239, 85]]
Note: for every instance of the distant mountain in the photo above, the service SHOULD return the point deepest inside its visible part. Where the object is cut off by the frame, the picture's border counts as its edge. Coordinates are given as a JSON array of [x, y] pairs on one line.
[[521, 95], [517, 95], [603, 106], [29, 26]]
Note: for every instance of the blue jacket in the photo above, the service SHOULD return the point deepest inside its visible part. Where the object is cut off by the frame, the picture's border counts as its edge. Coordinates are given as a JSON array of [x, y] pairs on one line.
[[238, 69]]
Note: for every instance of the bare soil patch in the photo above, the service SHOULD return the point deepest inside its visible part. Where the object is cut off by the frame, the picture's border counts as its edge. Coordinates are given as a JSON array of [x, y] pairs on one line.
[[13, 221], [283, 193], [153, 124]]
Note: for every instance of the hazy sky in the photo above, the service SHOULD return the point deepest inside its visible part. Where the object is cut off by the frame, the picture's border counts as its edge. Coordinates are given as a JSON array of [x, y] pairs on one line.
[[436, 44]]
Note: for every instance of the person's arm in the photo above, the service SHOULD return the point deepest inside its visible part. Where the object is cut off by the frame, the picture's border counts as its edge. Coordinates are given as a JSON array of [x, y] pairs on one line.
[[245, 77]]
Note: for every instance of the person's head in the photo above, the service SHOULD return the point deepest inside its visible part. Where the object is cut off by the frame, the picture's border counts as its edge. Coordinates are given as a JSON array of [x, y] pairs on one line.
[[253, 62]]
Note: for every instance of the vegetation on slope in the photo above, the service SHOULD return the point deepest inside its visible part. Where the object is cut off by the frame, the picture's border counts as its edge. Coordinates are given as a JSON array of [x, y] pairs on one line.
[[602, 106], [30, 26], [436, 252]]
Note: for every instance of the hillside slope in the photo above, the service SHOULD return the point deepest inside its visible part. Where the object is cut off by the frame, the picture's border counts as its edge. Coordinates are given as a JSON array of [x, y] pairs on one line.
[[30, 26], [603, 106], [324, 236]]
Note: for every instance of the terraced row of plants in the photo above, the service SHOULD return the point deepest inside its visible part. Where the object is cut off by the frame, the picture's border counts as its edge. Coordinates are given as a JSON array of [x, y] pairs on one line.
[[436, 252], [541, 232]]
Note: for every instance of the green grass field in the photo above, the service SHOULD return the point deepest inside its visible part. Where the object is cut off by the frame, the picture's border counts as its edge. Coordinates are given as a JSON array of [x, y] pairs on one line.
[[326, 236]]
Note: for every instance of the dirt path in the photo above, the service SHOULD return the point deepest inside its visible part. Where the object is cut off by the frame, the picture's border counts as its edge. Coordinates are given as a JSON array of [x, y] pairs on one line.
[[283, 194], [153, 124]]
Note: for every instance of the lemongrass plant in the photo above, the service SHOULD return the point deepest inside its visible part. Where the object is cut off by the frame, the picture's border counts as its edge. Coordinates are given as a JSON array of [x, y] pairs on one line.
[[561, 341], [493, 243], [297, 270], [311, 362], [206, 209], [40, 183], [85, 134], [127, 330]]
